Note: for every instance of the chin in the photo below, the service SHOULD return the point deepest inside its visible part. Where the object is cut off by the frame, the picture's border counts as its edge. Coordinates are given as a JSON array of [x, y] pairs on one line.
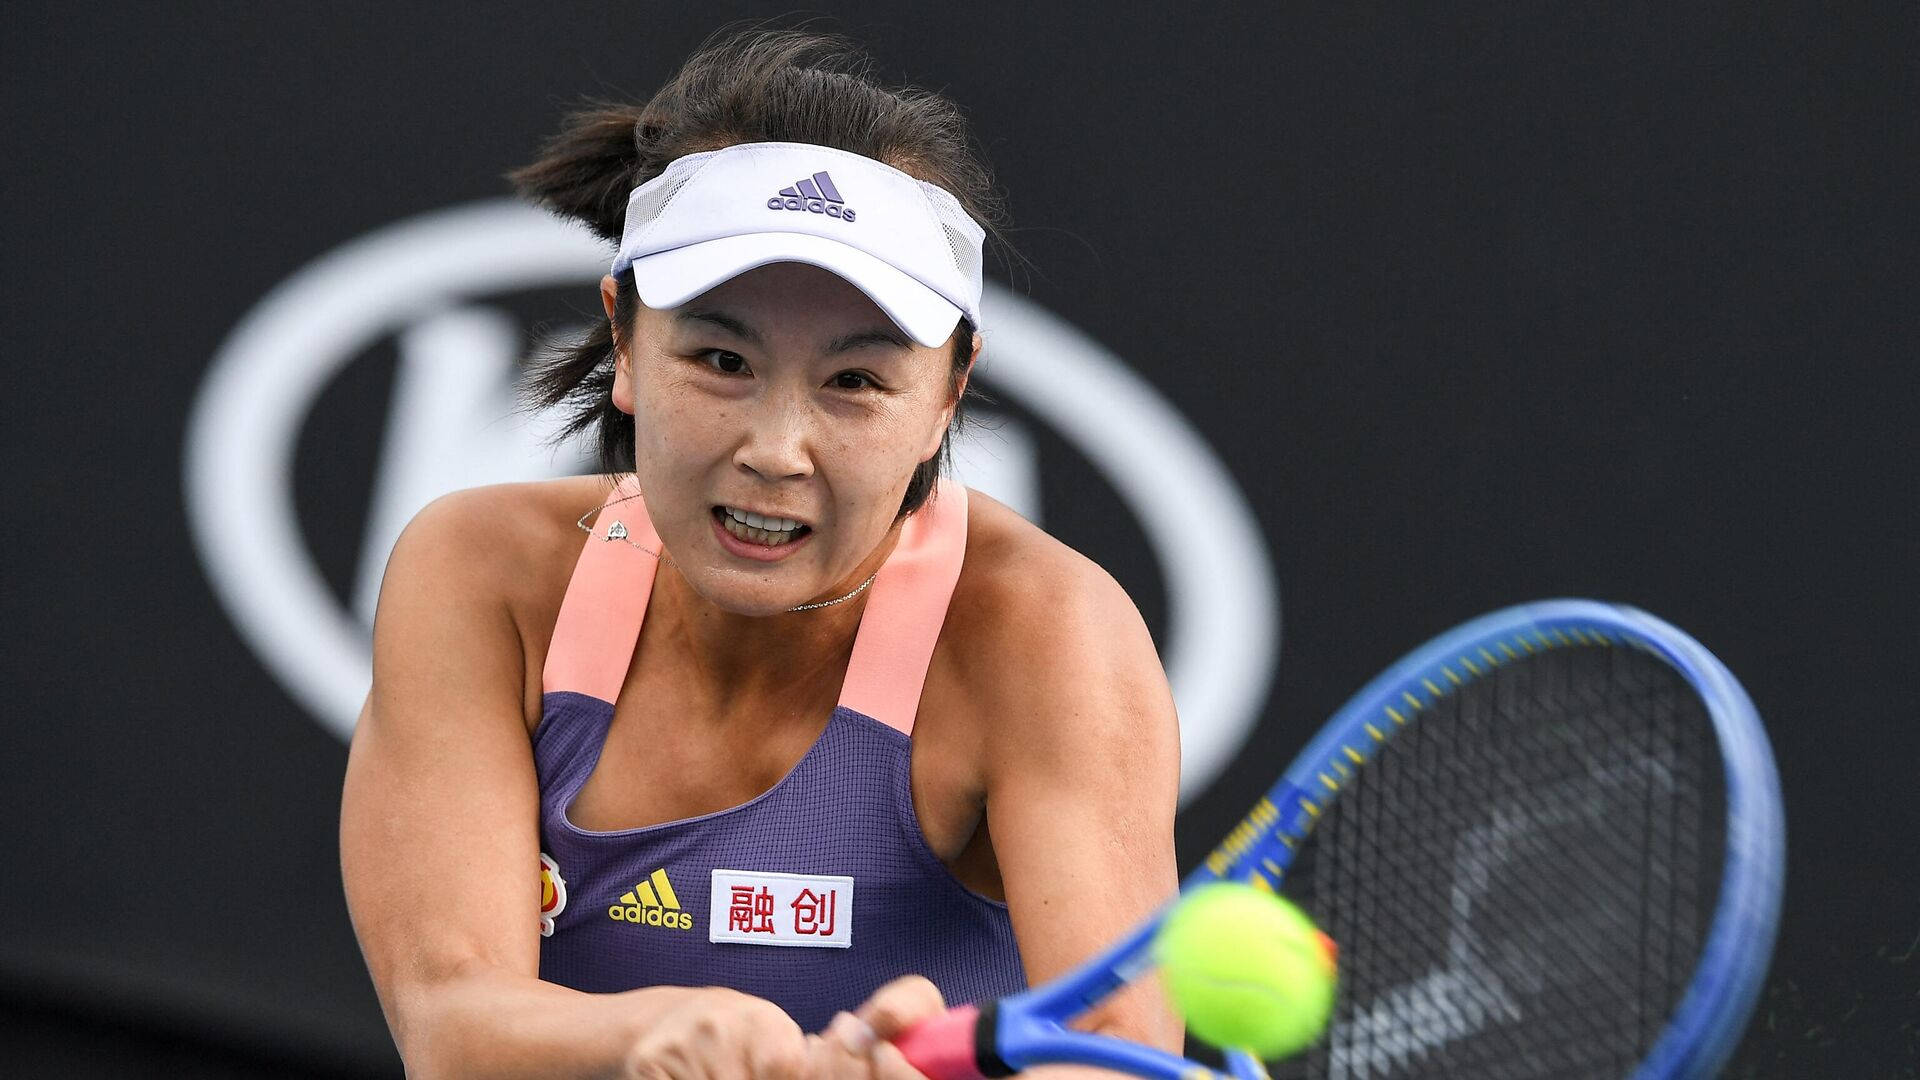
[[755, 610], [744, 598]]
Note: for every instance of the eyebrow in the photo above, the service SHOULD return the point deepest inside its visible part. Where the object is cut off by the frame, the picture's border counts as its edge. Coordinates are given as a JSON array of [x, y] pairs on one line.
[[875, 336], [740, 329], [725, 322]]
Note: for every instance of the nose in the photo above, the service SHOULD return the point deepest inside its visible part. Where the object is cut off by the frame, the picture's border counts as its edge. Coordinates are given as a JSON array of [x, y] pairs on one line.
[[777, 443]]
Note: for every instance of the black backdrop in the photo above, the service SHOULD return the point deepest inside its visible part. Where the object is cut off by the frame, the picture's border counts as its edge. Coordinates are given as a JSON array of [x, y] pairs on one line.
[[1475, 306]]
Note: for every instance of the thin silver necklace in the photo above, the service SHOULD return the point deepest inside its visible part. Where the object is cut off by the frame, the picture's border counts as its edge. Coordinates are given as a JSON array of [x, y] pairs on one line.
[[862, 587], [618, 531]]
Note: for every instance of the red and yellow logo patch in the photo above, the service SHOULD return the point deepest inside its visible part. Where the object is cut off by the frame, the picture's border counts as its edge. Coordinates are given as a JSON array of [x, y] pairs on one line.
[[553, 893]]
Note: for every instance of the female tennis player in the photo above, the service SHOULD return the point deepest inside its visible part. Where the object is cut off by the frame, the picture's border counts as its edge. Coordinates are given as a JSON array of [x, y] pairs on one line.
[[803, 738]]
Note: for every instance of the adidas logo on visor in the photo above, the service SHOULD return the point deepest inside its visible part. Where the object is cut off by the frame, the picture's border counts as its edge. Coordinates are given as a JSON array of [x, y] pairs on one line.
[[816, 194]]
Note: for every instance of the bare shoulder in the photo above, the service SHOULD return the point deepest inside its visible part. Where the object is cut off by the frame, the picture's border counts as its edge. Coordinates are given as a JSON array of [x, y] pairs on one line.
[[1019, 581], [1033, 620], [500, 544], [502, 530]]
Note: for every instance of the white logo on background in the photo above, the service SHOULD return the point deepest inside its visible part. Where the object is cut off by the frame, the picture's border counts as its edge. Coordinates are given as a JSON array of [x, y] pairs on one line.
[[423, 283]]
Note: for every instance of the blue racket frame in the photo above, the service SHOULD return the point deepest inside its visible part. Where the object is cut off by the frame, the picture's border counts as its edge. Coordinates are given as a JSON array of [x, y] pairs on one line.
[[1029, 1027]]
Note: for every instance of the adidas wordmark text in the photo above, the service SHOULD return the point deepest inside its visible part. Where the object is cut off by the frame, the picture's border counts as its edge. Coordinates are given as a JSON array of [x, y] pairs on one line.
[[816, 195], [652, 903]]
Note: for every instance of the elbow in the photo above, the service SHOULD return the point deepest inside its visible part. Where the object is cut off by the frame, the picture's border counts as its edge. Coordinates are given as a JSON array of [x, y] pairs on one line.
[[419, 1022], [1138, 1013], [431, 1028]]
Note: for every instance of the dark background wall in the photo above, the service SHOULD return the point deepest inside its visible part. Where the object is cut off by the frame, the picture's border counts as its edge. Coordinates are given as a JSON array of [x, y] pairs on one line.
[[1474, 305]]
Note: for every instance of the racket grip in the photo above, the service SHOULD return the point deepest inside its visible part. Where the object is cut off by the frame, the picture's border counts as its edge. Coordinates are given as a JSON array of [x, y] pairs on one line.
[[956, 1045]]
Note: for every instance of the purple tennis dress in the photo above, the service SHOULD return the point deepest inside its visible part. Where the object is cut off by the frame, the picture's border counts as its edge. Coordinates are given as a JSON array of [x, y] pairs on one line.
[[810, 895]]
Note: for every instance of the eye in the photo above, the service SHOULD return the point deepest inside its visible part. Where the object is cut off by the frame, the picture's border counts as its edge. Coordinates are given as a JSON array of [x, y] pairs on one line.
[[727, 363], [853, 380]]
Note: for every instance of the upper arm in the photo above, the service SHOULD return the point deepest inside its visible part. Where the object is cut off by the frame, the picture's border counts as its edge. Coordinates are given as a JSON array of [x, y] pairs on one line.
[[438, 829], [1082, 779]]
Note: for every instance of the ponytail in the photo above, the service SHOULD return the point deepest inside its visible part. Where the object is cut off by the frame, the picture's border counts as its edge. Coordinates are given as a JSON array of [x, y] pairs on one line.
[[586, 172]]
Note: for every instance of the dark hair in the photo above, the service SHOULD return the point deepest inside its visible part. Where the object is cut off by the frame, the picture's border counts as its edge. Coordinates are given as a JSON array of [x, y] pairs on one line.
[[754, 85]]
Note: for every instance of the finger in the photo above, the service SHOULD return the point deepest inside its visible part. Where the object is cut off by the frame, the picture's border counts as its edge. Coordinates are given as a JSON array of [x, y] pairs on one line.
[[782, 1062], [828, 1059], [774, 1047], [901, 1004], [850, 1033]]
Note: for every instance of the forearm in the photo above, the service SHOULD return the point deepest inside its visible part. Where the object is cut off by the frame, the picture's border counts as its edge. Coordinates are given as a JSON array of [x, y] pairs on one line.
[[494, 1025]]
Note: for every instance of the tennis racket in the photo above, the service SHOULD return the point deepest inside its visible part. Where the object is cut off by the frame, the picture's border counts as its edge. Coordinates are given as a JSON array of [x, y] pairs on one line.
[[1549, 843]]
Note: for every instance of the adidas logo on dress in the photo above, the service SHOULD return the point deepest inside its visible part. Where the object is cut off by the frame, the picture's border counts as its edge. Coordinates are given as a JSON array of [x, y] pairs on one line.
[[815, 195], [652, 903]]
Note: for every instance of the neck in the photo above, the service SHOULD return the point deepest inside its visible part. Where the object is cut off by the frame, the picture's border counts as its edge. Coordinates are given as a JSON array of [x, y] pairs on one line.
[[777, 655]]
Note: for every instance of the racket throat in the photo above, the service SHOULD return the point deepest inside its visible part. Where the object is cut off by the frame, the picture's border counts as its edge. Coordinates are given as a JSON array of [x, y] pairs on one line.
[[986, 1043]]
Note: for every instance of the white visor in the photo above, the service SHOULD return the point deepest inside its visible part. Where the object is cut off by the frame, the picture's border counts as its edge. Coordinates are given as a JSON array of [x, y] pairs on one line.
[[710, 217]]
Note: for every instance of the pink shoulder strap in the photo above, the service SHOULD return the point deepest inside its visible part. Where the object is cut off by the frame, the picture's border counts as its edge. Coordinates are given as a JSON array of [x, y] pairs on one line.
[[606, 600], [905, 609]]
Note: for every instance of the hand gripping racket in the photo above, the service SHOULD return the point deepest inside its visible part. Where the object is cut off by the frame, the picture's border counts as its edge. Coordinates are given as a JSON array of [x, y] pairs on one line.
[[1548, 843]]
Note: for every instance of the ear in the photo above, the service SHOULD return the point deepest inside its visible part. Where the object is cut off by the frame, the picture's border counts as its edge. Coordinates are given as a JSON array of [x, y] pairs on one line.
[[960, 384], [622, 361], [953, 401]]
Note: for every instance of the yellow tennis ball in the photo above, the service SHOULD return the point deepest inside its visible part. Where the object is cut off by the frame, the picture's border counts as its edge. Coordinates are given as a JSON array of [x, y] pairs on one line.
[[1247, 969]]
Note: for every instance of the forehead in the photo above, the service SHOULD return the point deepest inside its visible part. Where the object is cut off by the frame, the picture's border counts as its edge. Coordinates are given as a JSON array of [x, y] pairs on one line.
[[793, 300]]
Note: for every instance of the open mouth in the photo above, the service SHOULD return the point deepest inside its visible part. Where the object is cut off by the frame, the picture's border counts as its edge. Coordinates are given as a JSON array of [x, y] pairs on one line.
[[759, 528]]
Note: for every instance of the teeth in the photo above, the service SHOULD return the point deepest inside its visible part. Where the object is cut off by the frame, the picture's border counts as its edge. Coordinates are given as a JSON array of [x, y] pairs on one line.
[[770, 532], [761, 521]]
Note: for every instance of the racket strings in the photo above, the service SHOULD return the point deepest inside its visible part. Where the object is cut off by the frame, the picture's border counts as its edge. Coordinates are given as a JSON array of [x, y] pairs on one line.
[[1517, 878]]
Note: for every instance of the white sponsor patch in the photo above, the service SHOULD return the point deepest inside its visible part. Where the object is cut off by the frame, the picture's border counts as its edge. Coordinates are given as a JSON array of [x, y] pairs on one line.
[[761, 907]]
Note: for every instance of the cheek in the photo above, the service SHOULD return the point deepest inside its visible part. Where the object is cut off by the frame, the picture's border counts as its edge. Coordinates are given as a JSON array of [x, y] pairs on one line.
[[868, 467], [881, 450], [667, 413], [675, 438]]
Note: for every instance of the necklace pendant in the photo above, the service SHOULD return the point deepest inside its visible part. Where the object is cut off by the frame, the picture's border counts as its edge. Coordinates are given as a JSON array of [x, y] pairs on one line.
[[617, 531]]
